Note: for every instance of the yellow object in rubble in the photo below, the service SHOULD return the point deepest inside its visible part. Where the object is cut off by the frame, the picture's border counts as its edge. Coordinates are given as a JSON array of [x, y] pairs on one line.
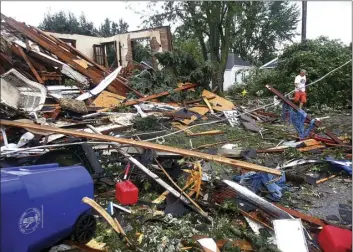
[[244, 92]]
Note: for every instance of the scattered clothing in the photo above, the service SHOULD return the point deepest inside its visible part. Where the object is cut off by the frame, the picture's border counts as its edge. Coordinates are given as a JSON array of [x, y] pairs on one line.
[[257, 181], [297, 119]]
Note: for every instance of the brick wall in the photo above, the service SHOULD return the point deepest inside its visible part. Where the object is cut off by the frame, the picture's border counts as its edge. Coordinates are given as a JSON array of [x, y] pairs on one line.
[[166, 40]]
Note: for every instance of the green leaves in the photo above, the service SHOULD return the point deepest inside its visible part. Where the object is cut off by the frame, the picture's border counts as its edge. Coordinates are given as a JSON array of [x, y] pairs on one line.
[[318, 57], [62, 22], [178, 67]]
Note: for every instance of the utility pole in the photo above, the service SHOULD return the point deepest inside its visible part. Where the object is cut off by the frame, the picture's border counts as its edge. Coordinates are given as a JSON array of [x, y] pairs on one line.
[[304, 9]]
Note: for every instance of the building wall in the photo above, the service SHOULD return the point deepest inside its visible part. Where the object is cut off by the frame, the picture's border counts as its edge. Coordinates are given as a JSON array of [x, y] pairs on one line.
[[228, 79], [160, 41], [231, 77]]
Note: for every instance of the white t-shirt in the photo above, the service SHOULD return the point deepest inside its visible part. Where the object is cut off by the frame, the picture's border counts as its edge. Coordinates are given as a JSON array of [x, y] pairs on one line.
[[301, 83]]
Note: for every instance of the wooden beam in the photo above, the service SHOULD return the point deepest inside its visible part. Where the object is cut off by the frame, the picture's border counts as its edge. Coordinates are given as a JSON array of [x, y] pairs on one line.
[[83, 56], [51, 47], [34, 62], [35, 73], [147, 145], [302, 216], [64, 55], [154, 96]]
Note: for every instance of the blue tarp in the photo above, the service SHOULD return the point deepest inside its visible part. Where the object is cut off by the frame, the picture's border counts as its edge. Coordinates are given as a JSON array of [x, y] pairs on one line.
[[258, 180], [297, 119], [339, 165]]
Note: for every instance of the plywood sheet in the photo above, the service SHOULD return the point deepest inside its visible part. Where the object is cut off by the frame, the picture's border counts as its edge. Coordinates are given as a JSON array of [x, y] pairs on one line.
[[107, 100], [218, 103], [200, 110], [82, 63]]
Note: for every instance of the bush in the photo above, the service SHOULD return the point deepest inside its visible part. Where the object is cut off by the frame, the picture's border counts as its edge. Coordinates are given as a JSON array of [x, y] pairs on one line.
[[318, 57], [178, 67]]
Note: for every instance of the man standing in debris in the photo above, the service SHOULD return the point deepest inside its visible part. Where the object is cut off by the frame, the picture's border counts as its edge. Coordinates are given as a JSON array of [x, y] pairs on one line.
[[300, 94]]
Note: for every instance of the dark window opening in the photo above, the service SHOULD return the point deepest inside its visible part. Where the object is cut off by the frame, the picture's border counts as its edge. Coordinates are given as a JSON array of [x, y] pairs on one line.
[[141, 50], [71, 42]]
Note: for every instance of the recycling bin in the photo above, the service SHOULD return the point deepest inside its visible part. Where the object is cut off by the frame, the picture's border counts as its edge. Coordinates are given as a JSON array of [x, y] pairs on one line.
[[41, 205]]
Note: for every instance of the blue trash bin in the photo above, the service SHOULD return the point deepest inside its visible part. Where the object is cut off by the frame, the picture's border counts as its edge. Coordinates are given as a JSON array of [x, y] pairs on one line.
[[41, 205]]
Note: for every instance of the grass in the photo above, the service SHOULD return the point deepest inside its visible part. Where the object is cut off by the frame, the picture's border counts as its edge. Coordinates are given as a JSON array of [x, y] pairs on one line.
[[164, 233]]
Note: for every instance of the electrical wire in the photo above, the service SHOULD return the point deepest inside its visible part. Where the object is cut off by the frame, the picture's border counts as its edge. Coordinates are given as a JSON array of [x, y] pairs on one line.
[[291, 92], [208, 123], [247, 112]]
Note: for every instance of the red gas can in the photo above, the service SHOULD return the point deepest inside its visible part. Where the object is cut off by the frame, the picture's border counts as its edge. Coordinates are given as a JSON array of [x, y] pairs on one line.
[[126, 193], [334, 239]]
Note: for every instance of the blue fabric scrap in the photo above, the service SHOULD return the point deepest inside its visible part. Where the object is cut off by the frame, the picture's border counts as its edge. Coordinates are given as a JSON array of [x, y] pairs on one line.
[[297, 119], [256, 181], [339, 165]]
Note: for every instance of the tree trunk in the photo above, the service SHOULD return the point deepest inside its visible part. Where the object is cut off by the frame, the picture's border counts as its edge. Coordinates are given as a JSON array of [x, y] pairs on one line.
[[220, 79], [203, 46]]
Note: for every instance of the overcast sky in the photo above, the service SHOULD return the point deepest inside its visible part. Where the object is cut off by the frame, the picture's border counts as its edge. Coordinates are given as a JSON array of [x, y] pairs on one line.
[[329, 18]]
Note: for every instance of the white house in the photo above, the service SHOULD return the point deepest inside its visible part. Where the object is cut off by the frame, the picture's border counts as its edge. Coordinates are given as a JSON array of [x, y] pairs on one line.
[[237, 69], [232, 75]]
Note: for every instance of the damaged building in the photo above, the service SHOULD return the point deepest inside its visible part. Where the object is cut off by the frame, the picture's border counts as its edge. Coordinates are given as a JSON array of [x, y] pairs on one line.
[[133, 173], [123, 45]]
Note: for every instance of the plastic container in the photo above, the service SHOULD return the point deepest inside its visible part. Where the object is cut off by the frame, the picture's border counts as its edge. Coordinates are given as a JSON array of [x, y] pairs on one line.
[[334, 239], [41, 205], [126, 193]]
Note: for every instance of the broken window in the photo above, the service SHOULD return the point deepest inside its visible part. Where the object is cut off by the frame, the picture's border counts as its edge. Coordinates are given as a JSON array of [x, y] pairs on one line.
[[141, 50], [105, 54], [111, 52], [99, 54]]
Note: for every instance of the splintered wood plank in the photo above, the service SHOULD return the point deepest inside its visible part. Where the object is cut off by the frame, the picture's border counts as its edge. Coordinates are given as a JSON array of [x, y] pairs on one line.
[[312, 147], [199, 110], [154, 96], [218, 103], [107, 100], [208, 104], [311, 142], [147, 145], [190, 133]]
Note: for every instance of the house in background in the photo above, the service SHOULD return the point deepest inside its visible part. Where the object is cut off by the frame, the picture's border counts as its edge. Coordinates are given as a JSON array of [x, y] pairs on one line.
[[235, 71]]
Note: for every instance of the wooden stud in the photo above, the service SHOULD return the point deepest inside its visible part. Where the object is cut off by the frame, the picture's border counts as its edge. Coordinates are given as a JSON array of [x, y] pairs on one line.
[[184, 152], [35, 73]]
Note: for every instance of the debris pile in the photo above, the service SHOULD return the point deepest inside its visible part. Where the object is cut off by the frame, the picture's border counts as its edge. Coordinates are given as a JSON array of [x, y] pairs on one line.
[[159, 183]]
